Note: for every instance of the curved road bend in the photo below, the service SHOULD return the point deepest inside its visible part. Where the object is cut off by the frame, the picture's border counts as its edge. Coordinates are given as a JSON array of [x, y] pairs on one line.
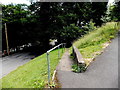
[[102, 73]]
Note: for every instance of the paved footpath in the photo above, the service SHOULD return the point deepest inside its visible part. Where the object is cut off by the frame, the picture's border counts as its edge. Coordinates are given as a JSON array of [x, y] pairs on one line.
[[102, 73]]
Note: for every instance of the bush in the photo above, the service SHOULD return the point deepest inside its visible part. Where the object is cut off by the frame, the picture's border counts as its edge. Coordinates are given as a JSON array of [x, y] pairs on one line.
[[88, 27], [69, 33], [78, 68]]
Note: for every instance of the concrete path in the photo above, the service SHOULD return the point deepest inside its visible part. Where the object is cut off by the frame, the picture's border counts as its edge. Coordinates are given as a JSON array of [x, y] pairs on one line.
[[12, 62], [102, 73], [65, 62]]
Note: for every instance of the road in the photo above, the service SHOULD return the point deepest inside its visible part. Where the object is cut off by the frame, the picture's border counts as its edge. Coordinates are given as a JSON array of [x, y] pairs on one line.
[[119, 58], [10, 63], [102, 73]]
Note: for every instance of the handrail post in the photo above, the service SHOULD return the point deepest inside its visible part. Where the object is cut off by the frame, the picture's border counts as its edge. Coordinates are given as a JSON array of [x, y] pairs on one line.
[[58, 53], [48, 58], [62, 47], [48, 62], [73, 52]]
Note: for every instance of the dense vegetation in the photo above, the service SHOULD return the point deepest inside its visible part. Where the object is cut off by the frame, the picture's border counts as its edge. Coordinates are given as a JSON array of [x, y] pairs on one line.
[[42, 21], [64, 21], [115, 12], [93, 43], [112, 13]]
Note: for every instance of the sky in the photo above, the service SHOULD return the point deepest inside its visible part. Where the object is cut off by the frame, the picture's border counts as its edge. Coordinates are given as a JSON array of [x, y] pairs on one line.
[[110, 1], [15, 2], [24, 1]]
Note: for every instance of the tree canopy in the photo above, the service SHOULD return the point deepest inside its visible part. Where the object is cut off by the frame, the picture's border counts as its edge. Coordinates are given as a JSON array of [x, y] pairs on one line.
[[42, 21], [115, 11]]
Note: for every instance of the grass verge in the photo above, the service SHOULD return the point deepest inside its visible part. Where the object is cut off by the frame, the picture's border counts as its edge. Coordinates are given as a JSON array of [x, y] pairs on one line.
[[32, 74], [95, 41]]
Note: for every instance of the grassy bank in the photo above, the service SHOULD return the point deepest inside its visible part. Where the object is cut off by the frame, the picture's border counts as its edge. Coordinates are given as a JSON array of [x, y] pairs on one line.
[[32, 74], [95, 41]]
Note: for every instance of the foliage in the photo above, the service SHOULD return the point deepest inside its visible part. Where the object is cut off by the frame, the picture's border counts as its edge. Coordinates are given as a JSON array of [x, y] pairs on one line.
[[112, 13], [99, 10], [32, 74], [106, 18], [16, 19], [92, 25], [54, 19], [117, 26], [92, 42], [78, 68], [115, 12], [88, 27], [69, 33]]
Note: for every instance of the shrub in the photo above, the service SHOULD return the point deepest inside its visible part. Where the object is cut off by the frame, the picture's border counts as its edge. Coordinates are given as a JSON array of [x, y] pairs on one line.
[[78, 68]]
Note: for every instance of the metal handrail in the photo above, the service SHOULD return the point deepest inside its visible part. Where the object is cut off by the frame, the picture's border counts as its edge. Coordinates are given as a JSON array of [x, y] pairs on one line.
[[54, 48], [48, 59]]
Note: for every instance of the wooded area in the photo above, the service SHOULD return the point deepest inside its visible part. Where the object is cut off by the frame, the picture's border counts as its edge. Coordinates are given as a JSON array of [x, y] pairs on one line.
[[65, 21]]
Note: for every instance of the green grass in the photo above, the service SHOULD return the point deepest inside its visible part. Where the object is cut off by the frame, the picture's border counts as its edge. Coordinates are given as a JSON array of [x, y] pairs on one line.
[[93, 41], [32, 74], [90, 51]]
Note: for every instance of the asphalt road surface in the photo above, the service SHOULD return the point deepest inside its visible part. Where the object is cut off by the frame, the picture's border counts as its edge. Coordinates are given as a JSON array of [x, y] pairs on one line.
[[102, 73], [12, 62]]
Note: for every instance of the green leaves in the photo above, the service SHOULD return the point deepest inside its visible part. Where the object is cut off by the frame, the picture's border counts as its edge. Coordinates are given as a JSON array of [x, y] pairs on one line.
[[78, 68], [13, 13], [56, 20], [115, 12]]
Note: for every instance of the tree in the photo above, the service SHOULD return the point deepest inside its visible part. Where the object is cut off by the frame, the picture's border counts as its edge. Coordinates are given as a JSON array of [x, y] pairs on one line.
[[99, 10], [115, 11], [15, 17], [42, 21]]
